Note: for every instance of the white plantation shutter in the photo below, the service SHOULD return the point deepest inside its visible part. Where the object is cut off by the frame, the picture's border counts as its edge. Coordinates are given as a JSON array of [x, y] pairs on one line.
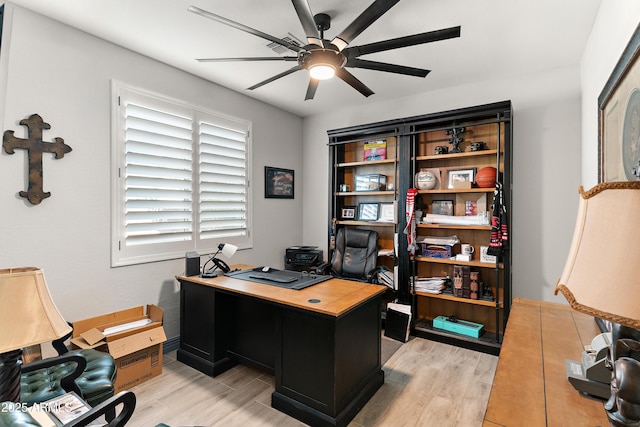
[[182, 179], [158, 176], [223, 180]]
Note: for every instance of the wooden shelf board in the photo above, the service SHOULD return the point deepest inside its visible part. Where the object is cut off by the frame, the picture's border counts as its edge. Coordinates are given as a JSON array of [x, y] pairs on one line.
[[458, 190], [453, 261], [369, 162], [449, 156], [491, 304], [456, 227], [367, 193], [371, 223], [488, 342]]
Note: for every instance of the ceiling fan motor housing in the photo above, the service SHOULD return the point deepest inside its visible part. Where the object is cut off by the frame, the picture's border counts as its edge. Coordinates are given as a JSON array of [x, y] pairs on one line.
[[322, 56]]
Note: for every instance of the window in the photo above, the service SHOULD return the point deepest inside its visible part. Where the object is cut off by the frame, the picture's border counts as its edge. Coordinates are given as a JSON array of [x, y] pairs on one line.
[[180, 179]]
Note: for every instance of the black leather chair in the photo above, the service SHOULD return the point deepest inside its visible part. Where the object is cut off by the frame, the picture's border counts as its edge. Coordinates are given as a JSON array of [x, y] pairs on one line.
[[355, 256]]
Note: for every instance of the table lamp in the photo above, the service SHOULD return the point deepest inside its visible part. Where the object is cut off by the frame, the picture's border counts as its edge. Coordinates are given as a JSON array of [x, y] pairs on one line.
[[227, 250], [28, 316], [602, 278]]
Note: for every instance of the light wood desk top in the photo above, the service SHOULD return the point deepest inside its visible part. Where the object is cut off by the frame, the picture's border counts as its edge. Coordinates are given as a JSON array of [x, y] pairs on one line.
[[530, 387], [336, 296]]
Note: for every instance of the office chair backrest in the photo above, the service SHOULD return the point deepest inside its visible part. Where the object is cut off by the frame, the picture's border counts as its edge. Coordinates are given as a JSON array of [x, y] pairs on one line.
[[356, 253]]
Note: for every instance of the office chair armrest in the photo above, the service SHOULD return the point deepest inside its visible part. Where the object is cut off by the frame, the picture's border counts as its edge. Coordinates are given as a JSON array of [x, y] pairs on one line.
[[126, 398], [372, 276], [68, 381], [324, 268]]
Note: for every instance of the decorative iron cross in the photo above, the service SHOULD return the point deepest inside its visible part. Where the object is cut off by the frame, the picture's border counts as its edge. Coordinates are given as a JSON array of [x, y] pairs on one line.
[[35, 146], [456, 139]]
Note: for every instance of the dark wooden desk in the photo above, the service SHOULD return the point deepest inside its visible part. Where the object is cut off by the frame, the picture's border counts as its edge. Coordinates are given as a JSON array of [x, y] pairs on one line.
[[321, 343], [530, 387]]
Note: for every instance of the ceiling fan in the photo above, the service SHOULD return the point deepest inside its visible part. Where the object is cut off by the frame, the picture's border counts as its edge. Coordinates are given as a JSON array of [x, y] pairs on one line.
[[323, 58]]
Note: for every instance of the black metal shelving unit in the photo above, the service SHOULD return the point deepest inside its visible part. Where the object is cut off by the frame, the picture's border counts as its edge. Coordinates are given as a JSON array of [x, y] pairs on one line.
[[411, 136]]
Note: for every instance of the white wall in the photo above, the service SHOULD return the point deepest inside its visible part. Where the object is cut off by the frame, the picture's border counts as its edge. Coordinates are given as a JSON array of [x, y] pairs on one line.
[[64, 75], [546, 167], [614, 26]]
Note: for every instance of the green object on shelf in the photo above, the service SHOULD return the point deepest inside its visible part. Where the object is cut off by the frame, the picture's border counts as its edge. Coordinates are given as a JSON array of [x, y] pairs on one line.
[[459, 326]]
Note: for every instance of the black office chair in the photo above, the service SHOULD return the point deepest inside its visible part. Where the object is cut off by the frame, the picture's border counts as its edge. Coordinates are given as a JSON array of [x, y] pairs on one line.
[[355, 256]]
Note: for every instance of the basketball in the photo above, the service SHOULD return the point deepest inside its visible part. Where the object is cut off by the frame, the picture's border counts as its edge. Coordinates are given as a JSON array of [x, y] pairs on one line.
[[486, 177]]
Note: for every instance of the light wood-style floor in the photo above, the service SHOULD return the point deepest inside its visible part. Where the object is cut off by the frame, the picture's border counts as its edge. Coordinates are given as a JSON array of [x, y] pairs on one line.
[[426, 384]]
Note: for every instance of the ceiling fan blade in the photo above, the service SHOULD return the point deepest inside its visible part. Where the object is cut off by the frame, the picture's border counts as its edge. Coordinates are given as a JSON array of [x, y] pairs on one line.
[[428, 37], [311, 89], [308, 23], [362, 22], [236, 25], [353, 82], [256, 58], [390, 68], [276, 77]]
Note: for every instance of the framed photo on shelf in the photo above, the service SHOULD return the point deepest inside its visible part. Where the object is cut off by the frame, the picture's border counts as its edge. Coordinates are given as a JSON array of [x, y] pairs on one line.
[[278, 183], [368, 211], [471, 203], [388, 212], [442, 207], [461, 178], [619, 108], [348, 212]]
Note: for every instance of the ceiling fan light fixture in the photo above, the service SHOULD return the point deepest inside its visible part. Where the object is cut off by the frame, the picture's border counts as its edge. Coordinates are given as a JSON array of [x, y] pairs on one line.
[[322, 63], [322, 71]]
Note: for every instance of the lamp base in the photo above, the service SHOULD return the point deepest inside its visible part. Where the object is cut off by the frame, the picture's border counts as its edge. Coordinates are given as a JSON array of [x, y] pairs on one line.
[[209, 274], [10, 364]]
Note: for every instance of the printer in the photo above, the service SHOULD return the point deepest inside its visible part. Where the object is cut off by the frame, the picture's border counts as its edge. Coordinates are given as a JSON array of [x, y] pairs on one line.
[[302, 258]]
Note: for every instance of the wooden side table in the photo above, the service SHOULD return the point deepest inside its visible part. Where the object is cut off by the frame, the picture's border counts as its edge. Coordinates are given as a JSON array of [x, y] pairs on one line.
[[530, 387]]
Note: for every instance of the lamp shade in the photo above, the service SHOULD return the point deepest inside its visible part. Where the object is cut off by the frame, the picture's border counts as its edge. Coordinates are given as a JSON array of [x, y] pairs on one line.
[[28, 315], [229, 250], [602, 274]]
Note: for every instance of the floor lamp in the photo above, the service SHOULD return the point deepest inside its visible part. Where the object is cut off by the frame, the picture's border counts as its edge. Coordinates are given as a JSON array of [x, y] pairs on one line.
[[602, 278], [28, 316]]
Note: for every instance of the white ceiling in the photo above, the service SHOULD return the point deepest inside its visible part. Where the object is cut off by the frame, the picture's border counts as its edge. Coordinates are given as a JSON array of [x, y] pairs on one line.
[[499, 38]]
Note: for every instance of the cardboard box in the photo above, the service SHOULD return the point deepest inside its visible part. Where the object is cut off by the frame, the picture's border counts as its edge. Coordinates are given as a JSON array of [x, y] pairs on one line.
[[136, 343], [461, 185]]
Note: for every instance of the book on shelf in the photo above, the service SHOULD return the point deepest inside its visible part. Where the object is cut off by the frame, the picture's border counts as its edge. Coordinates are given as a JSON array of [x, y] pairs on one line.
[[431, 285], [375, 150], [387, 277], [461, 281], [398, 321]]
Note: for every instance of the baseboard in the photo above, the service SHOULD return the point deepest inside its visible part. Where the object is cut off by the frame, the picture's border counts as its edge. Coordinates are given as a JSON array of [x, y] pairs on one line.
[[171, 344]]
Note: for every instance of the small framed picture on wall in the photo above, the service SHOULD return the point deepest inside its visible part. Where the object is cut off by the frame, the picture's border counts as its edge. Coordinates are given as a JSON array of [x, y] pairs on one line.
[[278, 183]]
